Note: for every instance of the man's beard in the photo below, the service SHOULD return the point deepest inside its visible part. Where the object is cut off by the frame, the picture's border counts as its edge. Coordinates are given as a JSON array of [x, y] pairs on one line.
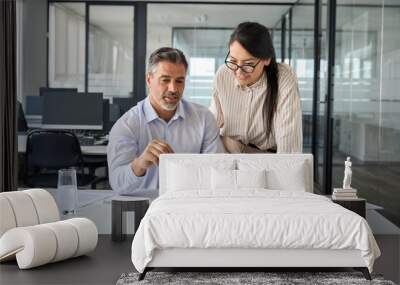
[[169, 106]]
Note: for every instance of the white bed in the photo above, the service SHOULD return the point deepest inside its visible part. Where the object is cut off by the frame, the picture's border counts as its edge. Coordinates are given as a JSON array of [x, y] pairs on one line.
[[225, 210]]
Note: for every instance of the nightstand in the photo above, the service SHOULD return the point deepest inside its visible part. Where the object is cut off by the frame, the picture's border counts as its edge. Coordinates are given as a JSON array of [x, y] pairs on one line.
[[355, 205]]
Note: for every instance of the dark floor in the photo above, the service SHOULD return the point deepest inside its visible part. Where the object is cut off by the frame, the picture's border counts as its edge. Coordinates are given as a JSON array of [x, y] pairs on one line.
[[110, 260], [103, 266]]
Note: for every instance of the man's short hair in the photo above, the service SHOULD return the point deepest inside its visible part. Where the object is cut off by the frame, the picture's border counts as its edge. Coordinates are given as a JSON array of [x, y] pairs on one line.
[[168, 54]]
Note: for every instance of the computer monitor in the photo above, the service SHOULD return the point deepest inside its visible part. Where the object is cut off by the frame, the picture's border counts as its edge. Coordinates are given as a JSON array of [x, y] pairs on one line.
[[107, 124], [115, 112], [73, 111], [34, 105], [124, 103], [48, 90], [106, 112]]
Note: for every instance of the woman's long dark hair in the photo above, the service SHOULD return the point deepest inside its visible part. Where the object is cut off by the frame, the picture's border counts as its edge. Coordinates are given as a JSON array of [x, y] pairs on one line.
[[255, 38]]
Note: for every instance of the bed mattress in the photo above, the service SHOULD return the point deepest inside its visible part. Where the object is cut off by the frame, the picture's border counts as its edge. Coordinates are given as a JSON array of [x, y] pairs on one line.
[[250, 219]]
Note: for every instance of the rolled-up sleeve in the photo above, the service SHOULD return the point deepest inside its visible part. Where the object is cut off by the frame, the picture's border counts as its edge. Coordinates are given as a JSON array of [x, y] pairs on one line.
[[288, 119], [122, 149]]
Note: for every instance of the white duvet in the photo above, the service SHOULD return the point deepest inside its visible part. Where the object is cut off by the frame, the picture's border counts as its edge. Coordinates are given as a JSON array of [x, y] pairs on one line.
[[253, 218]]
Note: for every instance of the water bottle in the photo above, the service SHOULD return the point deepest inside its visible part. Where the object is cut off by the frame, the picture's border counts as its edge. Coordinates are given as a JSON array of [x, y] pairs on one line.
[[67, 191]]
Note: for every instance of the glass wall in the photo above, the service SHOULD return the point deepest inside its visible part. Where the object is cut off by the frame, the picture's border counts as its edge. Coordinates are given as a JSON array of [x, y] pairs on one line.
[[288, 36], [111, 50], [302, 61], [206, 50], [199, 31], [321, 147], [110, 47], [66, 58], [276, 39], [366, 107]]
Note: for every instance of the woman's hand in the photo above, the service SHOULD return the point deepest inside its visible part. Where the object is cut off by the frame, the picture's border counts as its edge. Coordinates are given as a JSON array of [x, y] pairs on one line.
[[231, 145]]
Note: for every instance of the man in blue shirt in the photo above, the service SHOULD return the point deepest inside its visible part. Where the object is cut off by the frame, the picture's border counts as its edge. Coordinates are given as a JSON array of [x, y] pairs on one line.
[[161, 123]]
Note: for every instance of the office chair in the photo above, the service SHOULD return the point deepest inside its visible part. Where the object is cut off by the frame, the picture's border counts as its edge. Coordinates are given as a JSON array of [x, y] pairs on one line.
[[94, 162], [47, 151]]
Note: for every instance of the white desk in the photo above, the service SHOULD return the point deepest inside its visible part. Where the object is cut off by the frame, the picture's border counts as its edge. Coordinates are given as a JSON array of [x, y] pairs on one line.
[[96, 206], [88, 150]]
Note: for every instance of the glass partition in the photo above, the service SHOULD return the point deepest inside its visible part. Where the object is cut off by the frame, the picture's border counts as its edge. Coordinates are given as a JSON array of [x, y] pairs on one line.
[[367, 102], [66, 58], [302, 61], [197, 29], [111, 50]]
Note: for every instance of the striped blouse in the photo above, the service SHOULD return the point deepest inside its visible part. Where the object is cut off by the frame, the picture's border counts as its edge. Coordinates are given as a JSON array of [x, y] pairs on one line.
[[239, 111]]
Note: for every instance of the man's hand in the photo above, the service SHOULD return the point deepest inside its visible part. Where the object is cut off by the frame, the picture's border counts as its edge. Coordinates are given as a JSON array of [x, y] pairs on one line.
[[150, 156]]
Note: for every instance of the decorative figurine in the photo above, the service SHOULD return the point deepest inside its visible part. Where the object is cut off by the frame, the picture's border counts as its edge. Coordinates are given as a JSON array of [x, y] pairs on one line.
[[347, 174]]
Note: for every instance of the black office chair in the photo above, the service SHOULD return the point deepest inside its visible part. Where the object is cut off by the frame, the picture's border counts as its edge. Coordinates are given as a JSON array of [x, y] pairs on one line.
[[47, 151], [93, 162]]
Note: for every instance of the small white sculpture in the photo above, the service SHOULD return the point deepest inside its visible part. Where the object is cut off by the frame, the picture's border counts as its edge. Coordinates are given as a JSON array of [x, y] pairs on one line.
[[347, 174]]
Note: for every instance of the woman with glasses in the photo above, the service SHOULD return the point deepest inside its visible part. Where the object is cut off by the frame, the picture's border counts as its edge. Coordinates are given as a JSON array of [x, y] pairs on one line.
[[256, 100]]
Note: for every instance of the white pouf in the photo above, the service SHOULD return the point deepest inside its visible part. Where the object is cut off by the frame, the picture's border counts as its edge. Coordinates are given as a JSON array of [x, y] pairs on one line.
[[31, 232]]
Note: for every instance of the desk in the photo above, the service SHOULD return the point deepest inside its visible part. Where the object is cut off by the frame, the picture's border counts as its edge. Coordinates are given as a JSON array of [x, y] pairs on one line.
[[86, 150], [94, 205]]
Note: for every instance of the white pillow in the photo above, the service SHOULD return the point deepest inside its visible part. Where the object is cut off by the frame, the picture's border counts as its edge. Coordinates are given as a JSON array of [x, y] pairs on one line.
[[251, 178], [236, 179], [223, 179], [281, 174], [184, 175], [292, 179]]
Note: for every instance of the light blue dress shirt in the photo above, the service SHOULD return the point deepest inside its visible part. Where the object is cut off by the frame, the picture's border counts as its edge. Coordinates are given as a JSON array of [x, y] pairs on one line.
[[192, 129]]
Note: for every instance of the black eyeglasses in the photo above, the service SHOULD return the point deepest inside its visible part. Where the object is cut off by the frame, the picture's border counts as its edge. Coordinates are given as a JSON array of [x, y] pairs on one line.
[[246, 68]]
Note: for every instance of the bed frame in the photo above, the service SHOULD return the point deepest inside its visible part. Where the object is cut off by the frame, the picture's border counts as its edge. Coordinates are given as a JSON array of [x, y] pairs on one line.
[[245, 258], [242, 259]]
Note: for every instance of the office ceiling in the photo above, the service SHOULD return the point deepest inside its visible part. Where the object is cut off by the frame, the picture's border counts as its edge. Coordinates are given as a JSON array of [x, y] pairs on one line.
[[178, 15], [211, 16], [113, 19]]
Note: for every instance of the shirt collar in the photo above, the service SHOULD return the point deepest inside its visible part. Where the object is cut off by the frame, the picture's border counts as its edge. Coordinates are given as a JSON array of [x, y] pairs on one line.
[[152, 115], [149, 112], [180, 111]]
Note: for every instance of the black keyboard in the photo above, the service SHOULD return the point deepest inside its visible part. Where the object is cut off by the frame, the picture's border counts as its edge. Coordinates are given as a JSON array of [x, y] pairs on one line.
[[86, 141], [101, 142]]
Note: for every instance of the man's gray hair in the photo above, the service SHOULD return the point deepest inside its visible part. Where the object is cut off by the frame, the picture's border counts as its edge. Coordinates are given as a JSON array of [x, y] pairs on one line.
[[168, 54]]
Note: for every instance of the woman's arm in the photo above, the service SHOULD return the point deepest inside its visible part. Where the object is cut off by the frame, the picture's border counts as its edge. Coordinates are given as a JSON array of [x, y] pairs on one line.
[[231, 145], [288, 119], [216, 110], [234, 146]]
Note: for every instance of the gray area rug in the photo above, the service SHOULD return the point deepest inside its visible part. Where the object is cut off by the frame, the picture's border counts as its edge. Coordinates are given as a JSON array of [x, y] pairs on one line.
[[229, 278]]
